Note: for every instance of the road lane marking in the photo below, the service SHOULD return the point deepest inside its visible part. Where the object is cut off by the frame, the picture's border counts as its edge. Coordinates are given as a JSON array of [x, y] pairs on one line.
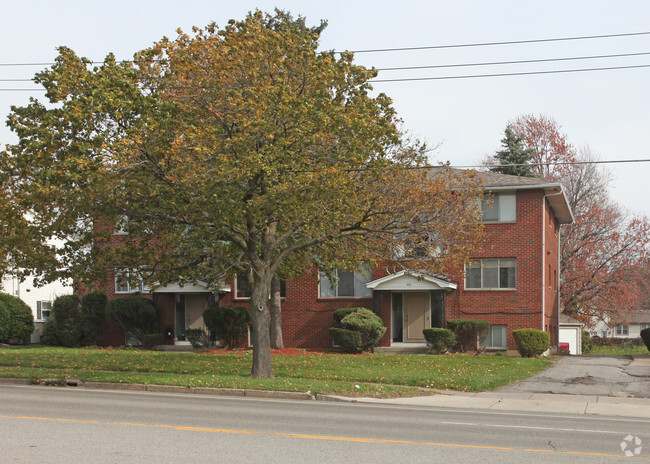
[[507, 426], [304, 436]]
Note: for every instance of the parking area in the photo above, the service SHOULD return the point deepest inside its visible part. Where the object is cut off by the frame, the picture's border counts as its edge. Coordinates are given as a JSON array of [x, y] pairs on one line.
[[623, 376]]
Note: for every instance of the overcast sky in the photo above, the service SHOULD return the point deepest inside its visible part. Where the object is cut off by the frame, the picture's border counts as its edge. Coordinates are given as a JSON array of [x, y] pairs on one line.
[[607, 110]]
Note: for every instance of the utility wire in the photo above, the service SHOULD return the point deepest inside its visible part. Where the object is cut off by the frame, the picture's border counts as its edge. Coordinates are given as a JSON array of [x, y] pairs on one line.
[[429, 47], [512, 42], [491, 63], [469, 76], [529, 73]]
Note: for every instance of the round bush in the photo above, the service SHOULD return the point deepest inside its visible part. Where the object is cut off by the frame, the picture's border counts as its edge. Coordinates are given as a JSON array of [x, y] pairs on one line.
[[645, 336], [368, 324], [531, 342], [64, 326], [440, 340], [5, 319], [21, 319], [340, 313], [349, 340]]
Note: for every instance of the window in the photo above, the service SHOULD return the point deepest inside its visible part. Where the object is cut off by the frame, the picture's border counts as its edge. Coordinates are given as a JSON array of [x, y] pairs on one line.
[[243, 286], [121, 225], [349, 284], [496, 338], [645, 326], [622, 330], [499, 208], [490, 274], [127, 282], [43, 310]]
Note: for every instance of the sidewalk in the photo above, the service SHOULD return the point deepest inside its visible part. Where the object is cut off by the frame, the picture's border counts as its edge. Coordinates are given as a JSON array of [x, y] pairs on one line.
[[613, 405], [526, 402]]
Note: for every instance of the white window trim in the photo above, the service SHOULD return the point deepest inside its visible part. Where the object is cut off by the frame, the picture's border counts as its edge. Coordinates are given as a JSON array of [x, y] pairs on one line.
[[622, 329], [237, 297], [482, 289], [492, 347], [131, 287], [497, 203], [40, 309], [336, 290]]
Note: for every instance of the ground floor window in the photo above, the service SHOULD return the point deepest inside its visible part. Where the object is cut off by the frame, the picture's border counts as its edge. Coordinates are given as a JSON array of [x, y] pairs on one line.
[[43, 310], [496, 337], [622, 330]]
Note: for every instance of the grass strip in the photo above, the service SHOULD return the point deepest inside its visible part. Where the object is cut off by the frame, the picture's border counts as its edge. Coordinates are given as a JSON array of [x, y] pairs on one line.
[[376, 375]]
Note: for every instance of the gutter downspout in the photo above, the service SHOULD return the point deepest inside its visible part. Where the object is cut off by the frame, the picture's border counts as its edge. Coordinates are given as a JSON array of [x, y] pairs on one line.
[[544, 262]]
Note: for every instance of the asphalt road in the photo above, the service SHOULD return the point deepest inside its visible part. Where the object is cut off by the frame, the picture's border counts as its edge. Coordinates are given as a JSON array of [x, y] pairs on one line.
[[65, 425]]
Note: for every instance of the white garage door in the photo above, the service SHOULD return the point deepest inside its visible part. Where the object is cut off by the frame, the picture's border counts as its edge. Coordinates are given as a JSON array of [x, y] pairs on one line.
[[570, 335]]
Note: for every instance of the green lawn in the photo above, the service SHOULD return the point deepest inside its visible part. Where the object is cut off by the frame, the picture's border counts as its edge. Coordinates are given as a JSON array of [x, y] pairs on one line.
[[340, 374], [617, 350]]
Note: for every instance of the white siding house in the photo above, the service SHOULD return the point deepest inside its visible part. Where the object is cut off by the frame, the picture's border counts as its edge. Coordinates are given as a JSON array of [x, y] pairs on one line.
[[39, 299]]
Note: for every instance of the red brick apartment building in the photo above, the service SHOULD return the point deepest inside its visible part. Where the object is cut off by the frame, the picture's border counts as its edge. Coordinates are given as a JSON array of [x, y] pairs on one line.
[[513, 282]]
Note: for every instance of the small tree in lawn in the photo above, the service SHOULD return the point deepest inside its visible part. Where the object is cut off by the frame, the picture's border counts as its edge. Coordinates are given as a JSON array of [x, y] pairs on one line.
[[242, 149]]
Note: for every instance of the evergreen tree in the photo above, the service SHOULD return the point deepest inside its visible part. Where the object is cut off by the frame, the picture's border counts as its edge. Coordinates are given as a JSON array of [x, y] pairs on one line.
[[514, 159]]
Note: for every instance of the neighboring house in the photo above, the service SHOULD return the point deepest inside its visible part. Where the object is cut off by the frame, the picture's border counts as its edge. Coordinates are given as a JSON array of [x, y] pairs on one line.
[[630, 327], [513, 282], [571, 333], [39, 299]]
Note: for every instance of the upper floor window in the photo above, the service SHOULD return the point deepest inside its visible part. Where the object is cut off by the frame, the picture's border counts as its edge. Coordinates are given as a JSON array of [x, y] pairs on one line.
[[121, 225], [348, 284], [127, 282], [500, 207], [243, 286], [43, 310], [490, 273]]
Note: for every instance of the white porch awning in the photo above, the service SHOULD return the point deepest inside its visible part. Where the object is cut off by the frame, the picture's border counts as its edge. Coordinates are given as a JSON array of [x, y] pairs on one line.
[[407, 280], [199, 287]]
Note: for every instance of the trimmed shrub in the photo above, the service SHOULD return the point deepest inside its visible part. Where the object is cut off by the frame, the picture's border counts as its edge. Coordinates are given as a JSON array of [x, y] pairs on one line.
[[227, 323], [469, 332], [198, 338], [21, 319], [587, 342], [368, 324], [440, 340], [340, 313], [5, 319], [149, 341], [531, 342], [349, 340], [134, 315], [645, 336], [63, 327], [93, 311]]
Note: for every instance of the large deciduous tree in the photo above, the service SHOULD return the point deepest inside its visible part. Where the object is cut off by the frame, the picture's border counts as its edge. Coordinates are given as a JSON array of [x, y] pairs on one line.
[[242, 149], [605, 246]]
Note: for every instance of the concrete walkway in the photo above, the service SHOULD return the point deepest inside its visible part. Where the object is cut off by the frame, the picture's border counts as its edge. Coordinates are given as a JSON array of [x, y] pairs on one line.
[[541, 393]]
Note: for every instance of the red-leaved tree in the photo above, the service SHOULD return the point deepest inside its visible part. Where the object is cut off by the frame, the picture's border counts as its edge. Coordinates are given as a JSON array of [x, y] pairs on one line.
[[604, 249]]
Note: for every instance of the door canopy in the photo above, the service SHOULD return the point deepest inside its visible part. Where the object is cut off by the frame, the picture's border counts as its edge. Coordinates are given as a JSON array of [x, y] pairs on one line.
[[404, 281]]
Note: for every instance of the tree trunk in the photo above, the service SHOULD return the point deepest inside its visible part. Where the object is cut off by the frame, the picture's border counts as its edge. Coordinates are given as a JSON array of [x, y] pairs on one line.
[[261, 317], [276, 314]]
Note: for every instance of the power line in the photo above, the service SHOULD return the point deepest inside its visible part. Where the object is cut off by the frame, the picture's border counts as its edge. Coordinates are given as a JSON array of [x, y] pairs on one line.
[[529, 73], [491, 63], [426, 47], [511, 42]]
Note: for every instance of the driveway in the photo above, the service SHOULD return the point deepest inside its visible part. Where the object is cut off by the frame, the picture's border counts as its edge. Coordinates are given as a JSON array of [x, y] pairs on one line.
[[591, 375]]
